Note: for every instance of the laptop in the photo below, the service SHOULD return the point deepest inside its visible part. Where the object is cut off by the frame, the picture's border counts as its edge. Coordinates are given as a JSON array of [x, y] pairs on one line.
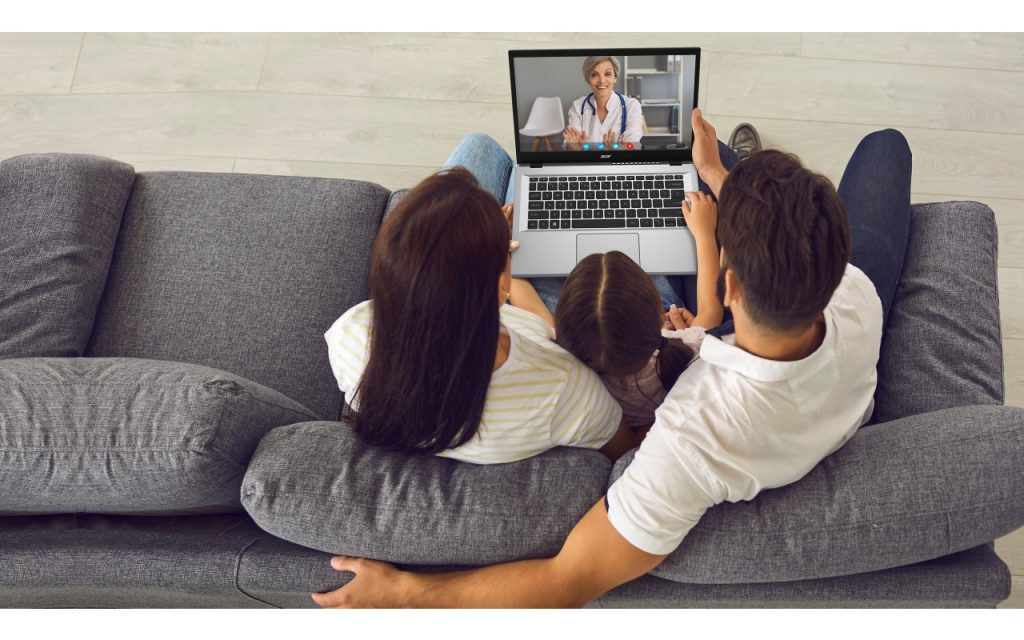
[[617, 181]]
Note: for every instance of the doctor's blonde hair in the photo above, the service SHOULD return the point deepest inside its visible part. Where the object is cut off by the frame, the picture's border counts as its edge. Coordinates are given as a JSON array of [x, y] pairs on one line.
[[593, 61]]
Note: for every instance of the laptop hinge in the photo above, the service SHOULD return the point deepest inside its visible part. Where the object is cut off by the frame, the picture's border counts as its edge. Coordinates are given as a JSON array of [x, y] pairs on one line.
[[676, 164]]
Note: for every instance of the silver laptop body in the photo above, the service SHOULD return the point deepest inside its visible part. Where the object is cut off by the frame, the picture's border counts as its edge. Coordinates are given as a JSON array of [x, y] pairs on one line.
[[573, 202]]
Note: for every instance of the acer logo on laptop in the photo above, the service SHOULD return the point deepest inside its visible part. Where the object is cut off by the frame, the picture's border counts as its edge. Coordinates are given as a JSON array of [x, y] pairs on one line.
[[606, 156]]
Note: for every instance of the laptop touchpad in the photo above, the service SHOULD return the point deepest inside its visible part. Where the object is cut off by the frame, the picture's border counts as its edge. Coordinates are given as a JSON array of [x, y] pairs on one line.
[[590, 243]]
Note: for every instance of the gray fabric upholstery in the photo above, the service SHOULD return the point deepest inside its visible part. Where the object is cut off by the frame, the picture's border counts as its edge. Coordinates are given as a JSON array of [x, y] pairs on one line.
[[973, 578], [942, 344], [242, 273], [129, 436], [319, 486], [104, 561], [59, 216], [226, 561], [897, 493], [394, 199]]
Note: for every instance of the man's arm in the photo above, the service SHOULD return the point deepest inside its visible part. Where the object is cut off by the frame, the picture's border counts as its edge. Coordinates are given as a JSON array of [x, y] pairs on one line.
[[594, 559]]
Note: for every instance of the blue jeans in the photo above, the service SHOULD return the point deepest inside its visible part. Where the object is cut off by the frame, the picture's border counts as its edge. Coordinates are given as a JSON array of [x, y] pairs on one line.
[[495, 170]]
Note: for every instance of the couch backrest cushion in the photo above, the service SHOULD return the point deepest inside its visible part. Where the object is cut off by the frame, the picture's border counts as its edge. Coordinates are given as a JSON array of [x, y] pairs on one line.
[[942, 344], [59, 218], [243, 273], [121, 435]]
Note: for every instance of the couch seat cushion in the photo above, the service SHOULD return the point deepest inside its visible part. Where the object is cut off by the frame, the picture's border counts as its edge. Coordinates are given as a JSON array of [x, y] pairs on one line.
[[110, 435]]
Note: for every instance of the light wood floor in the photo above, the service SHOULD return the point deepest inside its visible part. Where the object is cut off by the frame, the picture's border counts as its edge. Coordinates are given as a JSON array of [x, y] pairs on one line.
[[389, 108]]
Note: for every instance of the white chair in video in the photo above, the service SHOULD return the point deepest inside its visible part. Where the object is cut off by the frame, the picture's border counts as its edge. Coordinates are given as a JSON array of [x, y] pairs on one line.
[[546, 119]]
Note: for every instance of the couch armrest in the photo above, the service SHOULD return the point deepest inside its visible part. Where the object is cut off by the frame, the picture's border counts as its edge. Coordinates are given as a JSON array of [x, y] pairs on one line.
[[942, 345]]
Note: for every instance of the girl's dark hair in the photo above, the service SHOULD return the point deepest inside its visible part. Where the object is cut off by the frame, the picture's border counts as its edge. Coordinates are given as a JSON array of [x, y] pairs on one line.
[[434, 285], [609, 316]]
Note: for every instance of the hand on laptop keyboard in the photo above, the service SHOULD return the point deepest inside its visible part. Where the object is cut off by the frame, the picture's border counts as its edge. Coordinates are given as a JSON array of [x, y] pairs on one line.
[[507, 210], [701, 213]]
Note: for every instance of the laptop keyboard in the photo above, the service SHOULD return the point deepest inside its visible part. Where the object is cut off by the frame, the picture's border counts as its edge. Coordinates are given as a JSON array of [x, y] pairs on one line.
[[605, 202]]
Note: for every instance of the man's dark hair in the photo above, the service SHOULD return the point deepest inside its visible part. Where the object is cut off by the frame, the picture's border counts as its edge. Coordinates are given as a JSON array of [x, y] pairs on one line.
[[786, 238]]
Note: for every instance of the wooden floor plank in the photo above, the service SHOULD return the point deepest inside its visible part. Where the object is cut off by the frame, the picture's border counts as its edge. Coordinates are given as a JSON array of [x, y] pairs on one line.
[[410, 66], [997, 51], [1011, 549], [247, 125], [1016, 599], [38, 63], [1013, 368], [783, 44], [1011, 302], [170, 62], [813, 90]]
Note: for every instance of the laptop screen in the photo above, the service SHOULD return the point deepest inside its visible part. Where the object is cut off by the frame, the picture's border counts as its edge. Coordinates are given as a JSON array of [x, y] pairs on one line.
[[603, 106]]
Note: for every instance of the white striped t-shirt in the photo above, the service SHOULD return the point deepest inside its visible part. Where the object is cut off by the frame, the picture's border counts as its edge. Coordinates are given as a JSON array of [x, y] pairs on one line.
[[540, 398]]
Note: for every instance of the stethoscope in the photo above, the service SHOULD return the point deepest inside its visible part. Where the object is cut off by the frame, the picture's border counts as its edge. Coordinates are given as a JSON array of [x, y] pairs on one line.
[[622, 103]]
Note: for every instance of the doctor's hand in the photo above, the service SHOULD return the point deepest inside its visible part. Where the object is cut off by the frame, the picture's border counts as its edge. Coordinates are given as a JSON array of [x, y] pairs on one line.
[[573, 135], [705, 153], [610, 137], [507, 212]]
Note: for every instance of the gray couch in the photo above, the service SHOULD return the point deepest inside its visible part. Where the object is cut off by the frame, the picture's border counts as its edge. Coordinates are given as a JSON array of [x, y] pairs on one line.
[[169, 431]]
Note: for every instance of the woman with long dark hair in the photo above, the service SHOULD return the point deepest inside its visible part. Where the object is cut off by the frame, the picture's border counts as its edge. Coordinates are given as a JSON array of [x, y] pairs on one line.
[[436, 362]]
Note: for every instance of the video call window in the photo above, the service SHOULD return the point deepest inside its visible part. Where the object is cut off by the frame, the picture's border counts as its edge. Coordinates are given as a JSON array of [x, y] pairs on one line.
[[597, 103]]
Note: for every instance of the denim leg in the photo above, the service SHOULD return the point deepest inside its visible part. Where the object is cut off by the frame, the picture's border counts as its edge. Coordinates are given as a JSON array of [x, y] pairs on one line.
[[729, 160], [548, 289], [876, 191], [488, 161]]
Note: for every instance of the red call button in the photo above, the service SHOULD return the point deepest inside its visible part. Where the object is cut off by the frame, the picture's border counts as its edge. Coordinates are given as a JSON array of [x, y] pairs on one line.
[[629, 145]]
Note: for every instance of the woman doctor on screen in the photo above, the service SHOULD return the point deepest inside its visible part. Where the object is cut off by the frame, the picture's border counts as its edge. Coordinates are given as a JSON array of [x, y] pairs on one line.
[[603, 115]]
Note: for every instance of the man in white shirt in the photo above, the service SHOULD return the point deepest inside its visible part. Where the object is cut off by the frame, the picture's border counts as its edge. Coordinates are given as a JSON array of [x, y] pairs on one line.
[[759, 409]]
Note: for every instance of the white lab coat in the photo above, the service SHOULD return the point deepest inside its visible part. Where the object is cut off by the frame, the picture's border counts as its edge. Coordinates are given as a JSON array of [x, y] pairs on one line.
[[595, 129]]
